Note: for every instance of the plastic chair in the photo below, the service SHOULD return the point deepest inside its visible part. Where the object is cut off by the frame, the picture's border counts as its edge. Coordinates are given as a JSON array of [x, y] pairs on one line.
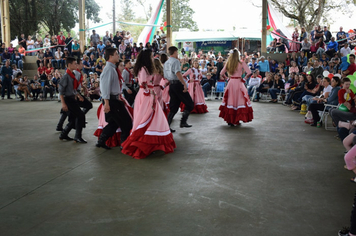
[[325, 114]]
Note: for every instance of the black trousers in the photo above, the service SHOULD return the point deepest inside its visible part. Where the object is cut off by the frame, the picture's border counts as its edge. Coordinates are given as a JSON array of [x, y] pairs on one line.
[[94, 96], [314, 108], [86, 105], [76, 115], [130, 97], [116, 117], [6, 84], [47, 90], [177, 96]]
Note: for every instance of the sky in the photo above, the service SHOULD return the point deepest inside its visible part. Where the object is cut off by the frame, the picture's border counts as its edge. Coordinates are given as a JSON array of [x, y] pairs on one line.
[[209, 15]]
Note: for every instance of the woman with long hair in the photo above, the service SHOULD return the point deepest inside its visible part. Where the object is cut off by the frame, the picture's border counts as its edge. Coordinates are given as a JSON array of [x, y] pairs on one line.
[[236, 105], [150, 130], [195, 90], [157, 78]]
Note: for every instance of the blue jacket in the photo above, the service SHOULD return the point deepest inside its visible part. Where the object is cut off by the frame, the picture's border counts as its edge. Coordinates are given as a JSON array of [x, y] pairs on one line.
[[13, 57], [264, 66], [302, 62], [333, 45], [333, 98]]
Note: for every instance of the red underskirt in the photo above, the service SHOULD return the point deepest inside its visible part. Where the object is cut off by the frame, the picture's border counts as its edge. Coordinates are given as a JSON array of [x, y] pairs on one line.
[[113, 141], [233, 116], [198, 109]]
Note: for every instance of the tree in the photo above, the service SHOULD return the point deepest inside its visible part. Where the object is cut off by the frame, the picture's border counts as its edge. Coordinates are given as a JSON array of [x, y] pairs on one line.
[[182, 15], [148, 11], [309, 13], [28, 15]]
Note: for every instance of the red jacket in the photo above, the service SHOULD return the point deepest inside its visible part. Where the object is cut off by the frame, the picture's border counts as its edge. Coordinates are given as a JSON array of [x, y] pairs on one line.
[[61, 40]]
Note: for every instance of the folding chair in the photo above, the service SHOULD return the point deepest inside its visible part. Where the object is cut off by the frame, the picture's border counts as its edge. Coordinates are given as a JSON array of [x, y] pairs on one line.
[[325, 114], [219, 88]]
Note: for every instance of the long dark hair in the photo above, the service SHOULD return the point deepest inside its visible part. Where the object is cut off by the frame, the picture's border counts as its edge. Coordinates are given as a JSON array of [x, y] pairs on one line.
[[144, 59]]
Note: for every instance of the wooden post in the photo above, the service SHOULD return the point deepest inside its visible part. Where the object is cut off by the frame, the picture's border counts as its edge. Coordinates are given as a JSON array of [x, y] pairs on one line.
[[82, 25], [5, 22], [264, 27], [113, 18], [169, 23]]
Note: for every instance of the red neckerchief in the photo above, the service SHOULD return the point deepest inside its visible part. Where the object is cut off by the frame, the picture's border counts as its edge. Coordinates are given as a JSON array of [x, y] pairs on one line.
[[75, 81], [131, 75], [121, 80], [194, 76], [81, 77]]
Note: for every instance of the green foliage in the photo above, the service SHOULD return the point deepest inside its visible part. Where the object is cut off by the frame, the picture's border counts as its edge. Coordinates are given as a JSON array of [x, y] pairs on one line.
[[181, 15], [28, 16]]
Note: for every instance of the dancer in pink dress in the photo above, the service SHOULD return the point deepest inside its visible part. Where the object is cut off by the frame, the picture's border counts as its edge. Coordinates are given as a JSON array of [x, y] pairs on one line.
[[150, 131], [157, 78], [195, 90], [236, 103], [294, 47]]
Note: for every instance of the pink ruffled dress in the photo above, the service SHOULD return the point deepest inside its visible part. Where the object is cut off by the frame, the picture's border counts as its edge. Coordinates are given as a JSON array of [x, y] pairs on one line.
[[165, 96], [195, 90], [150, 131], [236, 105], [158, 88]]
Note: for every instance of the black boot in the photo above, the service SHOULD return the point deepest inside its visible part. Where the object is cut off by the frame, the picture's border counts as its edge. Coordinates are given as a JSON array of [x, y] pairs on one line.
[[78, 135], [101, 142], [64, 134], [61, 121], [183, 121], [169, 119]]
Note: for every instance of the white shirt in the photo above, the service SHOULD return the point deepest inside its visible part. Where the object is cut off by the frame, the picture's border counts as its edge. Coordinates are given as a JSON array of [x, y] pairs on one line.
[[345, 51], [56, 55], [254, 81], [327, 90], [203, 70]]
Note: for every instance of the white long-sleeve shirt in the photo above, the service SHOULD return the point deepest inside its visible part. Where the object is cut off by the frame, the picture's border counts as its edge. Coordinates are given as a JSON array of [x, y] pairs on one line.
[[254, 81]]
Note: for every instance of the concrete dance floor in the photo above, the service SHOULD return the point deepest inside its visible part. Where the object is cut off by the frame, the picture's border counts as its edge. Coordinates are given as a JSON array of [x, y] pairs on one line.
[[274, 176]]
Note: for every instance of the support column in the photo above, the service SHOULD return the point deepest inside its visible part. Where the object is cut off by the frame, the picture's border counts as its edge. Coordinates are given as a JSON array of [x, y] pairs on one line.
[[5, 22], [113, 18], [169, 22], [264, 28], [82, 25]]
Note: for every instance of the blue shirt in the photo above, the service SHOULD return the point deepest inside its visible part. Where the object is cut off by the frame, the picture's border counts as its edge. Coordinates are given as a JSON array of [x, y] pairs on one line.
[[75, 47], [333, 98], [264, 66], [333, 45], [86, 63], [101, 47]]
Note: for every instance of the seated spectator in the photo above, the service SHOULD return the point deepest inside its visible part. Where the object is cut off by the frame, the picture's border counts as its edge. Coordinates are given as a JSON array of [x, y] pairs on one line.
[[254, 83], [326, 66], [99, 68], [49, 70], [317, 69], [22, 50], [265, 86], [296, 89], [48, 87], [314, 108], [345, 50], [35, 87], [17, 59], [41, 70], [313, 48], [276, 88], [100, 48], [343, 41], [122, 48], [48, 56], [273, 66], [86, 65], [100, 58], [11, 49], [134, 51], [332, 47], [311, 88], [346, 99], [352, 67], [40, 57], [5, 56], [272, 46], [253, 64], [57, 60], [94, 92], [320, 47], [302, 61], [76, 49], [294, 68], [207, 83], [306, 47], [280, 46], [23, 86]]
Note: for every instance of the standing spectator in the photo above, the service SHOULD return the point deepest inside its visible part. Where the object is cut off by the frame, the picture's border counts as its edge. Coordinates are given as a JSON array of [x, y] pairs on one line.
[[122, 48], [54, 42], [327, 34], [61, 41], [22, 41], [30, 45], [106, 37], [76, 49], [263, 66], [6, 74], [319, 33], [128, 51], [94, 38], [340, 33], [117, 39], [312, 34], [129, 39], [303, 34], [294, 46], [47, 41], [69, 43], [57, 61]]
